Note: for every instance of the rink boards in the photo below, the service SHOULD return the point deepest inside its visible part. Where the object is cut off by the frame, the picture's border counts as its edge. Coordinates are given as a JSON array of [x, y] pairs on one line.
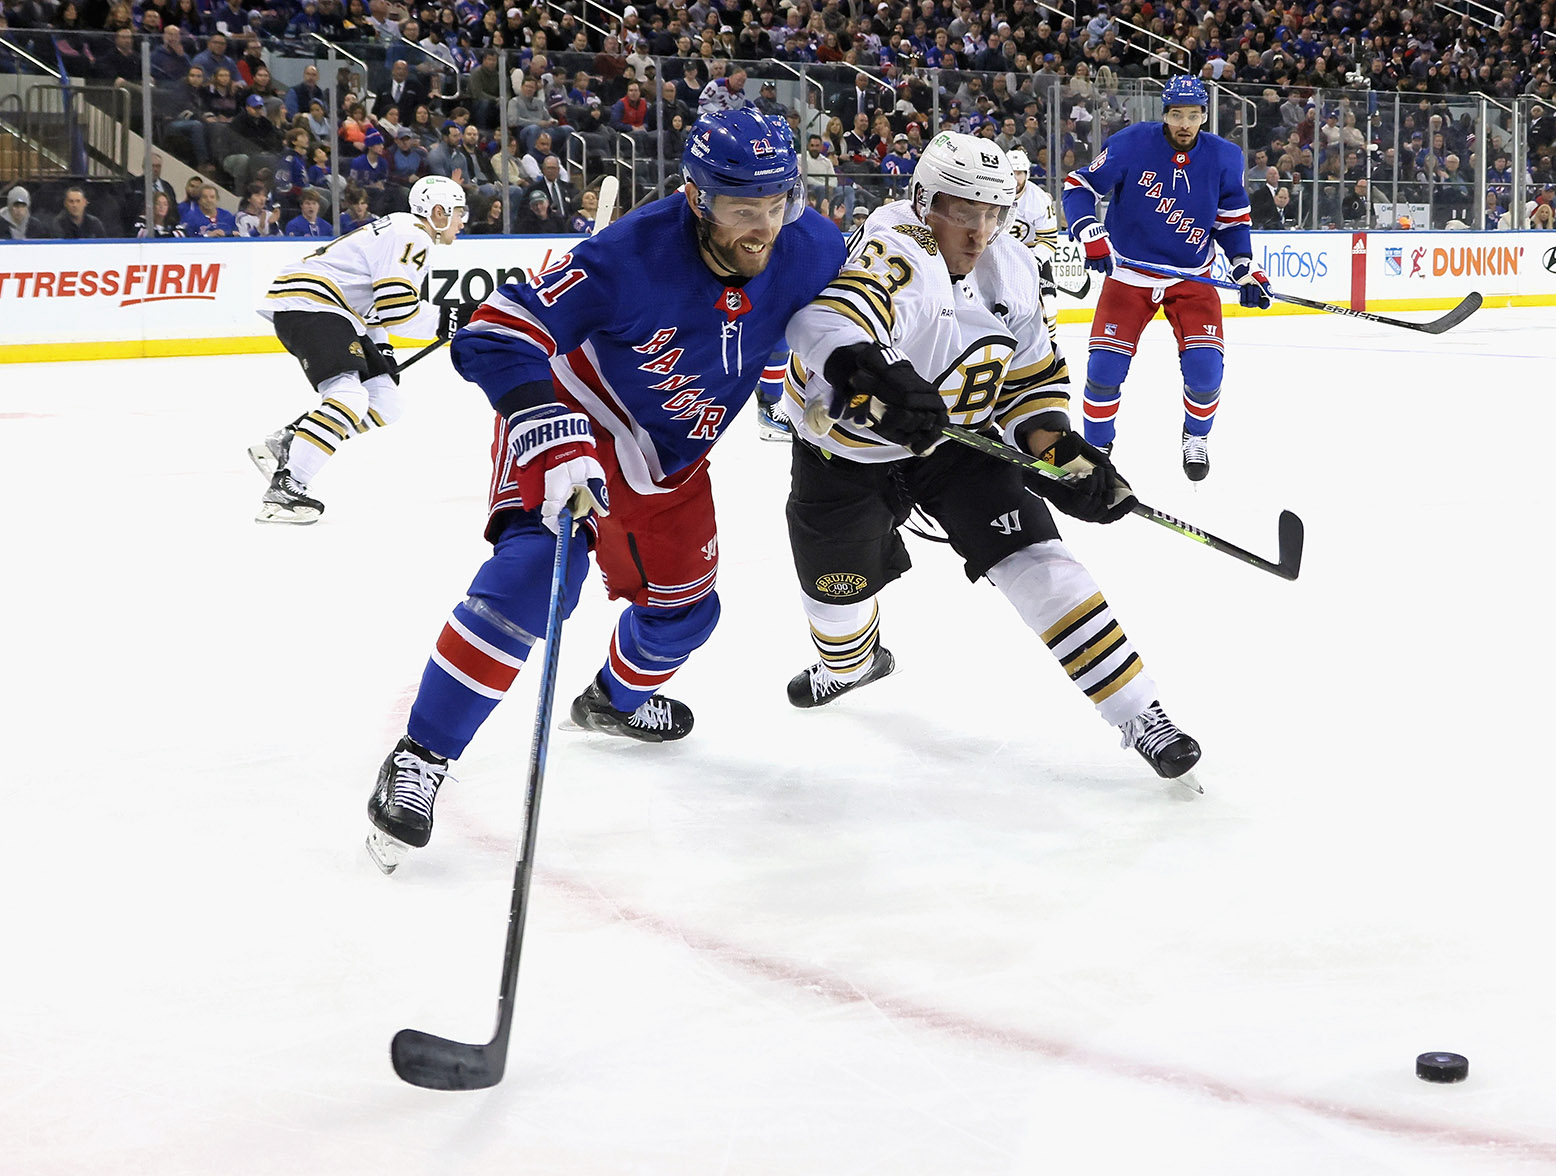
[[114, 300]]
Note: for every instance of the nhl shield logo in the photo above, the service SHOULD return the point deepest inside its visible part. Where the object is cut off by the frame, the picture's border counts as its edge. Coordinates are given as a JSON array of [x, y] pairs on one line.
[[1393, 263]]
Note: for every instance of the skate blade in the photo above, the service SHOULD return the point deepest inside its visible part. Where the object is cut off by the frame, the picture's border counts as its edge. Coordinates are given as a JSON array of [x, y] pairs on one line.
[[261, 456], [387, 852], [271, 512], [1189, 782], [567, 724], [773, 433]]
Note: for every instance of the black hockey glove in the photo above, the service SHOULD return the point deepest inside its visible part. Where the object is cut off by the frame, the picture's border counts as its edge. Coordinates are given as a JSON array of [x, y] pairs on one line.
[[881, 390], [1094, 491], [452, 316], [386, 353], [1046, 284]]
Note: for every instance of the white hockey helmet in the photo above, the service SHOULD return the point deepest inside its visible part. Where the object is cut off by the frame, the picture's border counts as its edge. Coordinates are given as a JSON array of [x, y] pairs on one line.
[[965, 166], [429, 192], [1021, 164]]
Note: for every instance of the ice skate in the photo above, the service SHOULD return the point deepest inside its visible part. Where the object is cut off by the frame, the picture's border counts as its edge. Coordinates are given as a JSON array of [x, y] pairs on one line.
[[818, 686], [1196, 457], [270, 454], [287, 502], [1168, 750], [771, 423], [401, 805], [659, 720]]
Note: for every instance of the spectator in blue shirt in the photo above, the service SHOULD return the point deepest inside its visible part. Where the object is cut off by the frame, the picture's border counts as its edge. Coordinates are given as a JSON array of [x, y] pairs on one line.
[[354, 213], [370, 170], [206, 219], [309, 223]]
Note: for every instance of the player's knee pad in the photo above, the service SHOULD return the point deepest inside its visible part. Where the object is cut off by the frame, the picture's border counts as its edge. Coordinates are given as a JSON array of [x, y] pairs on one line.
[[1106, 369], [514, 584], [668, 634], [345, 400], [1201, 367], [386, 403], [1100, 412], [1044, 581]]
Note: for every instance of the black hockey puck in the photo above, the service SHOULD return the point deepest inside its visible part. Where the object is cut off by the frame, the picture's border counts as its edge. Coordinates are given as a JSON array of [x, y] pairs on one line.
[[1443, 1067]]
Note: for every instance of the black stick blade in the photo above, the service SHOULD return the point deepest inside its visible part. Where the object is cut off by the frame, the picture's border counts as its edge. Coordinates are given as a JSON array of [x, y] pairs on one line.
[[1291, 535], [439, 1064], [1455, 316]]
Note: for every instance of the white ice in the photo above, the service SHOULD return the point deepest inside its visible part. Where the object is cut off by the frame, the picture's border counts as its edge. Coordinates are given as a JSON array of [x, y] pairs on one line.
[[946, 926]]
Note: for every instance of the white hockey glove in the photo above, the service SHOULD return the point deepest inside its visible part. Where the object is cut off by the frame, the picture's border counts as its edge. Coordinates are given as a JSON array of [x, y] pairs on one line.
[[557, 463]]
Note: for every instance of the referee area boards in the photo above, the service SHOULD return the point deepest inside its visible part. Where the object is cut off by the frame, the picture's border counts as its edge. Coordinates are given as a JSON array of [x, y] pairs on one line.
[[120, 300]]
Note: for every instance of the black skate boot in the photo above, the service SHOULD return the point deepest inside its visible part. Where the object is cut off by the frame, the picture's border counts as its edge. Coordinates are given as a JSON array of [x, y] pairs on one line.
[[659, 720], [1160, 743], [817, 686], [1196, 457], [287, 502], [771, 423], [270, 454], [401, 805]]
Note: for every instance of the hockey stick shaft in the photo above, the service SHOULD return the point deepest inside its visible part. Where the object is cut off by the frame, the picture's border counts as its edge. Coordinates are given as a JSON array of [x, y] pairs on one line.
[[1286, 566], [435, 1062], [423, 353], [1467, 306]]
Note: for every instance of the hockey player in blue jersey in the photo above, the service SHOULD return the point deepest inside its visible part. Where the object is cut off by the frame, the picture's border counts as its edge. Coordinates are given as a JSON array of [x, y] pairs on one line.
[[1174, 193], [613, 373]]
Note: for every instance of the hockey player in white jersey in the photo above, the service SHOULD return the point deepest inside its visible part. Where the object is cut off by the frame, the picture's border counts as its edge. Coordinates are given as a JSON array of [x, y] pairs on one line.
[[333, 310], [935, 319], [1035, 226]]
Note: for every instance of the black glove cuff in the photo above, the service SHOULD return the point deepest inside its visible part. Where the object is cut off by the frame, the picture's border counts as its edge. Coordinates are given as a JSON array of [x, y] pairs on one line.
[[528, 395]]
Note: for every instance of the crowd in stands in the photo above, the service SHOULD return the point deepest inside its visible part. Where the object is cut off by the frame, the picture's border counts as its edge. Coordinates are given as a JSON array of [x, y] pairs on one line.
[[1012, 70]]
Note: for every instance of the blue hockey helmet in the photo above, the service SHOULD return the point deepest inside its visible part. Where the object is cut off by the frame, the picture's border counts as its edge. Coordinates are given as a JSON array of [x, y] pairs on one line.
[[1185, 90], [743, 153]]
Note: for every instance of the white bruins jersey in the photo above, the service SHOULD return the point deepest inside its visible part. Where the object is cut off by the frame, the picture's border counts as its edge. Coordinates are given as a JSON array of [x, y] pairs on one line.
[[371, 275], [982, 340], [1035, 224]]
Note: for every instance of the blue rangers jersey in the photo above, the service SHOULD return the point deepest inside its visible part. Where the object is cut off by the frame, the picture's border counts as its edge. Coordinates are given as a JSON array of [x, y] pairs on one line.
[[1165, 206], [634, 329]]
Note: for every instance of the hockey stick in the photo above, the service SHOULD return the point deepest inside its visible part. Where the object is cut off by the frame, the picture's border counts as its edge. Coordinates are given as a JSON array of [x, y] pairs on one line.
[[423, 353], [437, 1063], [610, 186], [1466, 307], [1286, 565]]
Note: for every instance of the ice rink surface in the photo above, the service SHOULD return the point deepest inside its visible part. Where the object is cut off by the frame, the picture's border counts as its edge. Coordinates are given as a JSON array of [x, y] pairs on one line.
[[945, 926]]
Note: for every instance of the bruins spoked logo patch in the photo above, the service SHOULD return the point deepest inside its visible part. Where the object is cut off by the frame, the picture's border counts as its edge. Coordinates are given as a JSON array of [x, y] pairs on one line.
[[841, 584]]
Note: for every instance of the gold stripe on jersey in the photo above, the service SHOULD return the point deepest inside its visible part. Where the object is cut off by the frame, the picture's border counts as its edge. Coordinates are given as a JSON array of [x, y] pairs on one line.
[[310, 286], [863, 301]]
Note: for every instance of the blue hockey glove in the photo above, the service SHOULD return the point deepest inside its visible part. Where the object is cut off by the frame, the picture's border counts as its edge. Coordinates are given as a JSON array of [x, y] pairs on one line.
[[1094, 239], [1255, 287], [558, 466]]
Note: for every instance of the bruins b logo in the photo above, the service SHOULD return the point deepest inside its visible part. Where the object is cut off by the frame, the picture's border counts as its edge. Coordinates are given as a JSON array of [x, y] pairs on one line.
[[356, 349]]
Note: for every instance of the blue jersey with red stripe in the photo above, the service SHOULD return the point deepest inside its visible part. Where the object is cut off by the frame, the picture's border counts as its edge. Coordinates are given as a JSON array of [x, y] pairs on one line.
[[634, 329], [1165, 206]]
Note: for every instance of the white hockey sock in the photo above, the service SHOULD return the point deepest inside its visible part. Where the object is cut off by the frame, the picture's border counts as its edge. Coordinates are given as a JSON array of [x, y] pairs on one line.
[[337, 419], [1062, 604], [846, 636]]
